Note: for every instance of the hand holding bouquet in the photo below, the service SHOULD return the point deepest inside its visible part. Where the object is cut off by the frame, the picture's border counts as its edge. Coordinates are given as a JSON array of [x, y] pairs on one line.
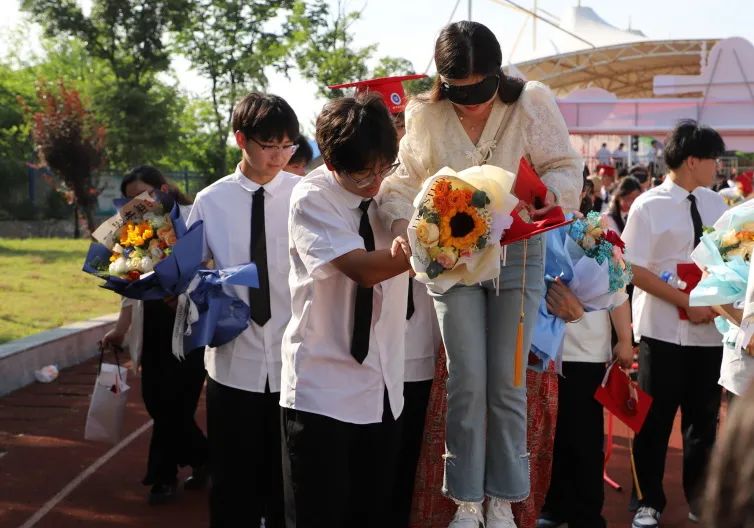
[[145, 251], [457, 216]]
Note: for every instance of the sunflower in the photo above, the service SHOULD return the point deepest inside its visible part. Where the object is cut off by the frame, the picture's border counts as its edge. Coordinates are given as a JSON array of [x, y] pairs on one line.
[[461, 228]]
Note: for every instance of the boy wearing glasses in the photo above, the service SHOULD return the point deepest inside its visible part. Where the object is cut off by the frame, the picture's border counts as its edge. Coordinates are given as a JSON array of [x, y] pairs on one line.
[[343, 350], [245, 219]]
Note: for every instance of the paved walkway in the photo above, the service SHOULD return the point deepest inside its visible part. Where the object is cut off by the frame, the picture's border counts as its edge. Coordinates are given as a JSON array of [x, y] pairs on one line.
[[51, 478]]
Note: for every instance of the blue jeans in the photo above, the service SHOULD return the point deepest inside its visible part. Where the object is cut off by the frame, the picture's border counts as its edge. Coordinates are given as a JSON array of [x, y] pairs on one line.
[[485, 446]]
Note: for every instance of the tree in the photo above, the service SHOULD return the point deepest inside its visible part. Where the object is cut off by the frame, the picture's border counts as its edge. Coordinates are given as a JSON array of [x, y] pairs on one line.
[[128, 36], [231, 44], [71, 142], [325, 52]]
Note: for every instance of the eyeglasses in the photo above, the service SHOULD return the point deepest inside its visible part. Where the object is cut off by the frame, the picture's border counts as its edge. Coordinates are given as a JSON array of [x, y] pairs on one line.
[[369, 180], [285, 149]]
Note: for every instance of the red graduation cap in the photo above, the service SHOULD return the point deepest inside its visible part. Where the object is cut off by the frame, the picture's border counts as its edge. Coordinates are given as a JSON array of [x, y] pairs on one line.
[[530, 189], [390, 88], [608, 170], [620, 395]]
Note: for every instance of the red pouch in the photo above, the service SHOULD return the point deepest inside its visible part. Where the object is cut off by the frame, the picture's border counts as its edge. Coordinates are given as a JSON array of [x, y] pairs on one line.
[[530, 189], [691, 274], [619, 395]]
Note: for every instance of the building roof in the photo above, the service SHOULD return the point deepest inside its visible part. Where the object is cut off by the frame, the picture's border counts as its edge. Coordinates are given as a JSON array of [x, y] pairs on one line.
[[585, 51]]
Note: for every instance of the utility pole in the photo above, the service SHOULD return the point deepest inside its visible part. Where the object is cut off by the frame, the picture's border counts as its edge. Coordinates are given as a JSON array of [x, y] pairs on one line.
[[469, 9]]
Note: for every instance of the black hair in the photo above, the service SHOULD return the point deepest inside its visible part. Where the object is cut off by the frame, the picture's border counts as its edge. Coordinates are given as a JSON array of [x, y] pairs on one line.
[[466, 48], [356, 133], [304, 152], [689, 138], [154, 178], [625, 187], [265, 117]]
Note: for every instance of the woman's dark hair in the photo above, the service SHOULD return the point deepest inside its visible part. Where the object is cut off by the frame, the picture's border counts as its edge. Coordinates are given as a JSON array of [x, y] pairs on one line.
[[587, 188], [265, 117], [625, 187], [689, 138], [356, 133], [153, 177], [728, 500], [467, 48], [304, 152]]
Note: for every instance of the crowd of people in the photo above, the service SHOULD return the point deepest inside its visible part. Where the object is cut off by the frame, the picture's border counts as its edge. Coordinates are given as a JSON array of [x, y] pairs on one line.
[[358, 397]]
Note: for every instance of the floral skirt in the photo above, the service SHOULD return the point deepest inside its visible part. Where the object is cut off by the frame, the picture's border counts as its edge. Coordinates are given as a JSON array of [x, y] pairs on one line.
[[430, 509]]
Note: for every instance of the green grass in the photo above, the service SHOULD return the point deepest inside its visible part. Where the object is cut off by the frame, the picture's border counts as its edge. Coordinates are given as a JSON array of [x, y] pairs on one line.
[[42, 286]]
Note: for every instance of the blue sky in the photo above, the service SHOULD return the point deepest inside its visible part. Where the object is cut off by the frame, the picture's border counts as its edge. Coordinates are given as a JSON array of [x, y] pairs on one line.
[[408, 28]]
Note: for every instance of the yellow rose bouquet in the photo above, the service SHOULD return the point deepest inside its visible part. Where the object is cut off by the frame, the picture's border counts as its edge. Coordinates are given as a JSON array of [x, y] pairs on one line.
[[459, 219], [136, 250]]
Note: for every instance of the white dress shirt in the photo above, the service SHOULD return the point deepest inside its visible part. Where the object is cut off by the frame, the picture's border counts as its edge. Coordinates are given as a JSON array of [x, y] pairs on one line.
[[253, 358], [319, 374], [423, 337], [659, 235], [589, 340], [603, 156]]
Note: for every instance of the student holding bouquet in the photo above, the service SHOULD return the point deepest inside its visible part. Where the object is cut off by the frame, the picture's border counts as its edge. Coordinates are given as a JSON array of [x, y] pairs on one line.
[[343, 350], [476, 114], [170, 387], [245, 219], [680, 348]]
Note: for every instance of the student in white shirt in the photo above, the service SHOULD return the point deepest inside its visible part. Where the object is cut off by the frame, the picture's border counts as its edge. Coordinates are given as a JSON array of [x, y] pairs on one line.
[[245, 219], [620, 156], [679, 360], [603, 155], [170, 387], [343, 350]]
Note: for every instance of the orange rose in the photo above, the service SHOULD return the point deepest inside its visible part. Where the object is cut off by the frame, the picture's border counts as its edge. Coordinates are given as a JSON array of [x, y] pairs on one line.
[[457, 199]]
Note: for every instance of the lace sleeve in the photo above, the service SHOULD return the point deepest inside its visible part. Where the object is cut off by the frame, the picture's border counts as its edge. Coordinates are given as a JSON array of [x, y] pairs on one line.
[[399, 189], [549, 147]]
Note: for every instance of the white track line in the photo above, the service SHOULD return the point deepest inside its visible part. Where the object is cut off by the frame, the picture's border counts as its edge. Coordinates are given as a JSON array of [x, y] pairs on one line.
[[72, 485]]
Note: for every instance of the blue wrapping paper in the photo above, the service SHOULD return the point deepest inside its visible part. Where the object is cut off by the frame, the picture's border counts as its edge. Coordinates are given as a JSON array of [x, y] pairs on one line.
[[566, 261], [171, 275], [222, 316]]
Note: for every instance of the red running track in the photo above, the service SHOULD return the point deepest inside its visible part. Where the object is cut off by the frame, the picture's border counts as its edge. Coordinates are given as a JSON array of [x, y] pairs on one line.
[[43, 456]]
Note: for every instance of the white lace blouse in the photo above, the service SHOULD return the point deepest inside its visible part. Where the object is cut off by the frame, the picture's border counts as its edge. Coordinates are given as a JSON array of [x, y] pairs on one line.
[[435, 138]]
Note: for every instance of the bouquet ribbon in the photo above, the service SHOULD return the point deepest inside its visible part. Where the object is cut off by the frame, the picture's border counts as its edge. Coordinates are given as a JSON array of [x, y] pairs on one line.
[[208, 316]]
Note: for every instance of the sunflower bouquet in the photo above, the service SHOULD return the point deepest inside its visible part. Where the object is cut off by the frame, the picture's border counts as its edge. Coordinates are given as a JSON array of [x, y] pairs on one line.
[[457, 216], [136, 250]]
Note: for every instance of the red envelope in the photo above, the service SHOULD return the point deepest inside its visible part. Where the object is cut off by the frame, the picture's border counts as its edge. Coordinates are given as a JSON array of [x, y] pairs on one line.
[[620, 395], [529, 188], [691, 274]]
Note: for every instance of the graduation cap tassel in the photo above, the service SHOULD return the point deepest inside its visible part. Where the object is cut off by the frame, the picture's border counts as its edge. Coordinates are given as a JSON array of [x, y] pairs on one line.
[[518, 360]]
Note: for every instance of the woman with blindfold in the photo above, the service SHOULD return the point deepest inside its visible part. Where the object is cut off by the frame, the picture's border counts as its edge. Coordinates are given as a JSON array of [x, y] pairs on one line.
[[473, 115]]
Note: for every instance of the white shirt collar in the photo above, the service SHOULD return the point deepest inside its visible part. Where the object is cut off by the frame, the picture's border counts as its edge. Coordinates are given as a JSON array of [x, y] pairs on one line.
[[251, 186], [350, 199], [676, 192]]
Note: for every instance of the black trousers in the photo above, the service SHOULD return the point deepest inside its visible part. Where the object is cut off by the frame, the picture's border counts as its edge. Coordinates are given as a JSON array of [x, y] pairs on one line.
[[245, 457], [576, 493], [338, 474], [416, 399], [676, 376], [170, 389]]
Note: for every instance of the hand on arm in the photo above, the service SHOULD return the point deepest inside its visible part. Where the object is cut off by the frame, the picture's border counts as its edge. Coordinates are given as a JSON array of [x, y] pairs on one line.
[[562, 303], [623, 351]]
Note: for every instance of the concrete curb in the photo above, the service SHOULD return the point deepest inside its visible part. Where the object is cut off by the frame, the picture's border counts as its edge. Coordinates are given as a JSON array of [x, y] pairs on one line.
[[65, 346]]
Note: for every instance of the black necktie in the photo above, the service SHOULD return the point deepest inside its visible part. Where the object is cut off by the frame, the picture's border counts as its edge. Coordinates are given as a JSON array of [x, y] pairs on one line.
[[362, 312], [696, 219], [410, 305], [259, 298]]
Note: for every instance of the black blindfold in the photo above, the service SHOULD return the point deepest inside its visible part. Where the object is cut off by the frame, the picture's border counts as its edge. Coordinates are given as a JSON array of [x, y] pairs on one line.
[[471, 94]]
